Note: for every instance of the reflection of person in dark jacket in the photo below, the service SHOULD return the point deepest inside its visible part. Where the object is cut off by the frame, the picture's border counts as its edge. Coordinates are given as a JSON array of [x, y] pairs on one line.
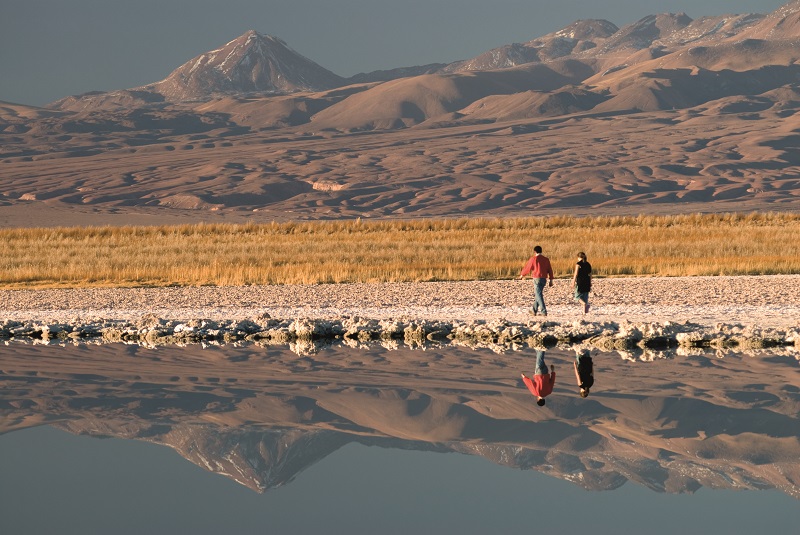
[[541, 384], [584, 371]]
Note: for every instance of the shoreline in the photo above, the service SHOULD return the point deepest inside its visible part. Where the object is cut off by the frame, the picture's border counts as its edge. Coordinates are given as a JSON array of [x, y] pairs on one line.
[[764, 300], [656, 312]]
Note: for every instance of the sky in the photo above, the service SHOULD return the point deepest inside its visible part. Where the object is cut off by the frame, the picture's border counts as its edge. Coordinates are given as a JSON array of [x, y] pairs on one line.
[[53, 48]]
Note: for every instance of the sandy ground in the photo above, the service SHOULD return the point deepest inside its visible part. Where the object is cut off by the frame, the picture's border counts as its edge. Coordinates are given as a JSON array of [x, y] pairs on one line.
[[764, 301]]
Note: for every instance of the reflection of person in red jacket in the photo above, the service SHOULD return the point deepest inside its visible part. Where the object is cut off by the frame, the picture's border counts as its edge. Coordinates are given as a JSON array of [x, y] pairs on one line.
[[541, 385]]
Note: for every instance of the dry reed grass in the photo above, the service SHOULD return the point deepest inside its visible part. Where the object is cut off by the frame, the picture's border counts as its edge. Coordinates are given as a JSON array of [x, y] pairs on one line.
[[423, 250]]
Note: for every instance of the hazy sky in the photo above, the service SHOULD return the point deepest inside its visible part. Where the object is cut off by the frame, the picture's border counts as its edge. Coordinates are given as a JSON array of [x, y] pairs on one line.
[[53, 48]]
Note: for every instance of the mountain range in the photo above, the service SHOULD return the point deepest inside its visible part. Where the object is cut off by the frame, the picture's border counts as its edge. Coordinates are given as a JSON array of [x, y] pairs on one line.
[[667, 112]]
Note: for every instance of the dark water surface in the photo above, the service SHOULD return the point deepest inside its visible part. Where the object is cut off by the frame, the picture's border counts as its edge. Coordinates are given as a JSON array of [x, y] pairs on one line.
[[125, 439], [54, 482]]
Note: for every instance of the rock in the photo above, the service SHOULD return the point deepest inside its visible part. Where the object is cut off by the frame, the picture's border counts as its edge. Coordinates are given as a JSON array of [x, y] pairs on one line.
[[149, 321], [497, 334]]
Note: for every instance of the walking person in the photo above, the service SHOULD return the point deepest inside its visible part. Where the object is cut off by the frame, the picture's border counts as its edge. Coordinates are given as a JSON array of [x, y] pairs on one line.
[[539, 267], [582, 281], [541, 384], [584, 371]]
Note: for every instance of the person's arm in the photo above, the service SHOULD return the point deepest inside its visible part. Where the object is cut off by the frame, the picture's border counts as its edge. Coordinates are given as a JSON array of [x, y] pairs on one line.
[[577, 375], [552, 375], [527, 268], [575, 276], [529, 383], [550, 272]]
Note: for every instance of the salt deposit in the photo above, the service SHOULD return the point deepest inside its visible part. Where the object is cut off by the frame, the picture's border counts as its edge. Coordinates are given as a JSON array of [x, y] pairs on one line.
[[643, 313]]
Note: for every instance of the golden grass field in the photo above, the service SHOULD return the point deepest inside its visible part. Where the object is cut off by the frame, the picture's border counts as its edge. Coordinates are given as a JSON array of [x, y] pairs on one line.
[[422, 250]]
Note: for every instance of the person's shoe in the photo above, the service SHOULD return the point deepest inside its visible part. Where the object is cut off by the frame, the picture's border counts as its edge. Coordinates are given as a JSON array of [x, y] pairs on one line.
[[533, 312]]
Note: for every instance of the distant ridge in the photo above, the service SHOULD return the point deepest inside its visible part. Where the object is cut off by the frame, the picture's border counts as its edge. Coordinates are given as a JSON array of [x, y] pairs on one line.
[[579, 36], [393, 74], [257, 64], [645, 32]]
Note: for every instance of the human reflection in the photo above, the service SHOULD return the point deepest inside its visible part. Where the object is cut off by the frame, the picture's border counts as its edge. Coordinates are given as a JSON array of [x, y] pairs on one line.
[[584, 370], [541, 385]]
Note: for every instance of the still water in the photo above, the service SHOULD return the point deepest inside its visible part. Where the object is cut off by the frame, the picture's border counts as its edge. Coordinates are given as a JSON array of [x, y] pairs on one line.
[[125, 439]]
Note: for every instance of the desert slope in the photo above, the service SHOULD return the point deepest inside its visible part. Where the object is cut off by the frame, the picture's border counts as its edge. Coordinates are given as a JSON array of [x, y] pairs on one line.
[[667, 114], [735, 153]]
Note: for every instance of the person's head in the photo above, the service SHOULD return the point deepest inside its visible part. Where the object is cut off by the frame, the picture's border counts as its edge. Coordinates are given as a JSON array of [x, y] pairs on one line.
[[540, 402], [537, 249], [584, 392], [582, 256]]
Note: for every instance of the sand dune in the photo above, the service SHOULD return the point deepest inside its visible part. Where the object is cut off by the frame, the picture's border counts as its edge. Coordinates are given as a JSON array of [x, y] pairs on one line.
[[734, 153]]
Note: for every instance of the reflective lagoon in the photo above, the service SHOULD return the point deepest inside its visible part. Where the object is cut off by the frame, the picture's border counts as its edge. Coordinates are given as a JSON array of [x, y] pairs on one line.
[[127, 439]]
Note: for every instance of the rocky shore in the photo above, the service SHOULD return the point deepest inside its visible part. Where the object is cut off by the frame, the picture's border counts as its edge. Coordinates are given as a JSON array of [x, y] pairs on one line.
[[631, 313]]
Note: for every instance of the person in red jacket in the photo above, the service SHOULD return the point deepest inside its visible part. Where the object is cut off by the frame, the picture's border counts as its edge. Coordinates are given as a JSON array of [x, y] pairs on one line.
[[539, 267], [541, 384]]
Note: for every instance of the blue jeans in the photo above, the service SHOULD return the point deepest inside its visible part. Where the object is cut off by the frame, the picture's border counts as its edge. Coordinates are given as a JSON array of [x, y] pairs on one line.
[[538, 296], [541, 366]]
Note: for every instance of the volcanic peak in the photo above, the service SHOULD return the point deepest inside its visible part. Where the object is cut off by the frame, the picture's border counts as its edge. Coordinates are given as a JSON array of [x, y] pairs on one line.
[[251, 63]]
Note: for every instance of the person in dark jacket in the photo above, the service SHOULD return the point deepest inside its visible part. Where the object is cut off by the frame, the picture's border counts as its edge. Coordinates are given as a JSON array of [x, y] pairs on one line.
[[582, 281]]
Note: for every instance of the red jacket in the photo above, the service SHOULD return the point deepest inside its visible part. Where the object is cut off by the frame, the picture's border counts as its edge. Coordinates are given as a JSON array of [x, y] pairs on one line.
[[540, 385], [539, 267]]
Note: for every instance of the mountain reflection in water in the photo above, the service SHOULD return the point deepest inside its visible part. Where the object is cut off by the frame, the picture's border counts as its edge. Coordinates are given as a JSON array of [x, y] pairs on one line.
[[262, 415]]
